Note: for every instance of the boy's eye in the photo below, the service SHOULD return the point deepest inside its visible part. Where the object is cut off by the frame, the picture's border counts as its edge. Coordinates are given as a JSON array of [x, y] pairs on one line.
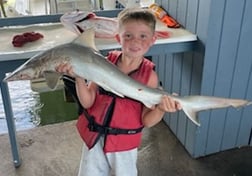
[[127, 36], [140, 36], [143, 36]]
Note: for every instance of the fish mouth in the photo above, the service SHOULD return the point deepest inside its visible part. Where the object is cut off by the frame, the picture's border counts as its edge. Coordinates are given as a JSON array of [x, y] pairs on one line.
[[7, 79], [79, 29], [11, 77], [83, 19], [90, 15]]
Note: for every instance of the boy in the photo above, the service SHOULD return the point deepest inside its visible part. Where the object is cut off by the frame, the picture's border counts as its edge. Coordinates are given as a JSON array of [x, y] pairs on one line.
[[111, 126]]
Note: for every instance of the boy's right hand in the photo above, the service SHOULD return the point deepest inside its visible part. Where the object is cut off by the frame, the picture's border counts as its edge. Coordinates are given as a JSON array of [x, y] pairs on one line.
[[66, 68]]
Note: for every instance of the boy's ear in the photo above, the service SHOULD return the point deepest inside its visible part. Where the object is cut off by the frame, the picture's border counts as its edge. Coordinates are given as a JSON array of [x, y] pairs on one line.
[[154, 38], [118, 38]]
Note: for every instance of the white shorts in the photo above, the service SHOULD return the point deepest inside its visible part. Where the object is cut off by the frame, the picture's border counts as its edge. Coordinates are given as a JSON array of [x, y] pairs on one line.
[[95, 162]]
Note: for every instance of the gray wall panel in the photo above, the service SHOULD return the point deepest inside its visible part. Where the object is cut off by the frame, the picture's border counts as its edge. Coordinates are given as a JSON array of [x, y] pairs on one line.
[[239, 86], [221, 67], [176, 85], [186, 68], [224, 75], [209, 73], [191, 15], [229, 80], [242, 76]]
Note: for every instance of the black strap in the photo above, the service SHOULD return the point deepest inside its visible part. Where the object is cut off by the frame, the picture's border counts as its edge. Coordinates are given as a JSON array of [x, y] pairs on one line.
[[95, 127], [69, 83]]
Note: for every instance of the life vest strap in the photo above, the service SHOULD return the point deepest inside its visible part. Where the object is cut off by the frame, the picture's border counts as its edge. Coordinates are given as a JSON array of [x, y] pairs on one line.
[[104, 128], [95, 127]]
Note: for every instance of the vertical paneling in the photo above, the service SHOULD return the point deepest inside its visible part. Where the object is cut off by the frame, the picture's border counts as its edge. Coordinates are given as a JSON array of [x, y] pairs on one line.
[[191, 23], [244, 53], [175, 87], [245, 131], [241, 69], [226, 73], [191, 15], [203, 19], [221, 67], [185, 82], [185, 69], [209, 75], [244, 67], [171, 8], [168, 78]]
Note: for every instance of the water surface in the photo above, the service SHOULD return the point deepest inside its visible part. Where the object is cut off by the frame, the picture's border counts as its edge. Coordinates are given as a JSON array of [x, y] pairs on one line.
[[26, 106]]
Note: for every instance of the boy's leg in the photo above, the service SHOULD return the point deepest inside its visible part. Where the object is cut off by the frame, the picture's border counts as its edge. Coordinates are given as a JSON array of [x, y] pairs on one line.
[[123, 163], [94, 162]]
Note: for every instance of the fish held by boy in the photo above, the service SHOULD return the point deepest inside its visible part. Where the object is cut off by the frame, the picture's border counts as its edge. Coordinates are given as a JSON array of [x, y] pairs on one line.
[[105, 27], [88, 63]]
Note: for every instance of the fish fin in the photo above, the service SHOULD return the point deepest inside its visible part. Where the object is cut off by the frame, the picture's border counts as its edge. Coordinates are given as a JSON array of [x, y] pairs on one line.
[[52, 79], [192, 114], [87, 39]]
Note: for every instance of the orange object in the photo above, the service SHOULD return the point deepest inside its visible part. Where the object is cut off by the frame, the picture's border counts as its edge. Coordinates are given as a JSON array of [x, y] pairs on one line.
[[158, 11], [161, 14], [170, 22]]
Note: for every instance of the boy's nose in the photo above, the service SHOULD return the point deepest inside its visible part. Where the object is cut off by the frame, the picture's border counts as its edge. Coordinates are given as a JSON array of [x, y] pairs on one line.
[[136, 39]]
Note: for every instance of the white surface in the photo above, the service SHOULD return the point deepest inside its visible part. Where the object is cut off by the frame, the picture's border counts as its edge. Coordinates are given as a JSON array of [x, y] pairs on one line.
[[143, 3], [109, 4], [55, 34]]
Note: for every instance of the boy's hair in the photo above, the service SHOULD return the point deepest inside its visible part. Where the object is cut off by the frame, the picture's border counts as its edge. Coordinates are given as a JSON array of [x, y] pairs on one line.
[[137, 14]]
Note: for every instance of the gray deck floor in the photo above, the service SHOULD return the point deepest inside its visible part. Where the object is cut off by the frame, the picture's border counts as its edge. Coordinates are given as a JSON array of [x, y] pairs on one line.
[[54, 150]]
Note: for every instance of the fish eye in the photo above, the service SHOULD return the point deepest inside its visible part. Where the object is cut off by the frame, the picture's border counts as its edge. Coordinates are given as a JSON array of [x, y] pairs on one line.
[[22, 76]]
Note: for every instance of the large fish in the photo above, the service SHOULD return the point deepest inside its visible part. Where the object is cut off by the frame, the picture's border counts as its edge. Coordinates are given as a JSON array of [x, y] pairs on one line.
[[105, 27], [88, 63]]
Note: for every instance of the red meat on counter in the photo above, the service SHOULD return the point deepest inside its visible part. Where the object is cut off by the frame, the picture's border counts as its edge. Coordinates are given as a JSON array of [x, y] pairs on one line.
[[20, 40]]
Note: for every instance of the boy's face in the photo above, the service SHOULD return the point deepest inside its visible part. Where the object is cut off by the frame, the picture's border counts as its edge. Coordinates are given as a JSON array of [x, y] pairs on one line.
[[136, 38]]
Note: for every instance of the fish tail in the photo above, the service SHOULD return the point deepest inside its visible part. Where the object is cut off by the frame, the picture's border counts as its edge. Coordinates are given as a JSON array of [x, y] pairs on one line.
[[236, 103], [249, 103], [191, 111], [191, 114]]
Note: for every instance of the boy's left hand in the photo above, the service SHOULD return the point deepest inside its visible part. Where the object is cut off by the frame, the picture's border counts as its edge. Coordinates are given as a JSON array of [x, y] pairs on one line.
[[168, 104]]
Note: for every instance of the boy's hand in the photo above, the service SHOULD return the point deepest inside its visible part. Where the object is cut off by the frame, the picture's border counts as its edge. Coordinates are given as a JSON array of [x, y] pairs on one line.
[[168, 104], [66, 69]]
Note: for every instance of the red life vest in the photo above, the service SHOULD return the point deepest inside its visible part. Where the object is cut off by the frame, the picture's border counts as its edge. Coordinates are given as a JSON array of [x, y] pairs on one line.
[[127, 114]]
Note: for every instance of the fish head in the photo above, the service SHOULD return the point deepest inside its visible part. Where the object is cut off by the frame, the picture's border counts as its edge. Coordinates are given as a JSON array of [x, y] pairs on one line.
[[77, 21], [43, 64], [31, 69], [21, 74], [39, 66]]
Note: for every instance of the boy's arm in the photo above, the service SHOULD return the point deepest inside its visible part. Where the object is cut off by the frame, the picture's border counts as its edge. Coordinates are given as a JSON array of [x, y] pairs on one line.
[[86, 92], [151, 117]]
